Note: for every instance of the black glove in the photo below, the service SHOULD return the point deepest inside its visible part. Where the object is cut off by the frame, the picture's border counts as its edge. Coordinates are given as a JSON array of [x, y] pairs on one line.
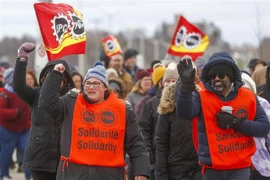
[[187, 74], [226, 120]]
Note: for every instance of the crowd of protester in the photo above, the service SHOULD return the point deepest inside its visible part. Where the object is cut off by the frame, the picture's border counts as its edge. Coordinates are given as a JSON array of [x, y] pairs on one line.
[[163, 122]]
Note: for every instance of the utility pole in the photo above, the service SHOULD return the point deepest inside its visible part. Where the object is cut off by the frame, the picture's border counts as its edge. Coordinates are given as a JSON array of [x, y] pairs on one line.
[[259, 32], [96, 22], [81, 59]]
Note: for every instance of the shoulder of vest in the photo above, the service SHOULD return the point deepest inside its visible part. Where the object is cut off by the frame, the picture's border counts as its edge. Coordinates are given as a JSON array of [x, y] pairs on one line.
[[246, 90], [202, 91], [74, 92]]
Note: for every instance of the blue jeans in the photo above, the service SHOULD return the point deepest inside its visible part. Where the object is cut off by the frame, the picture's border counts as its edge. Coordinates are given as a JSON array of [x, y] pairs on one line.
[[238, 174], [9, 140]]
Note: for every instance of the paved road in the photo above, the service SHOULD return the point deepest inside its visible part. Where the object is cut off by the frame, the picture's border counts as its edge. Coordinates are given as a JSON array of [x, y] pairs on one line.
[[17, 176]]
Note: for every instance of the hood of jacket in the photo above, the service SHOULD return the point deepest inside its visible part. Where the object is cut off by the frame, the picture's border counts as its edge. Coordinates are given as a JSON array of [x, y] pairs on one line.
[[217, 58], [168, 100], [50, 65], [123, 91]]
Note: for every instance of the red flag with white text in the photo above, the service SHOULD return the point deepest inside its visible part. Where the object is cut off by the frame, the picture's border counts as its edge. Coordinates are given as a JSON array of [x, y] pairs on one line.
[[111, 46], [188, 40], [62, 29]]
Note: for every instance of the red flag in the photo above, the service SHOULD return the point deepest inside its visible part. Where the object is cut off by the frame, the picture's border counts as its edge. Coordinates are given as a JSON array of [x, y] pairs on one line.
[[62, 29], [111, 46], [188, 40]]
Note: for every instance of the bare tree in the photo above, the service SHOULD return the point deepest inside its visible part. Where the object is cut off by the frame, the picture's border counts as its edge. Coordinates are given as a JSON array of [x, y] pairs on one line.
[[259, 31]]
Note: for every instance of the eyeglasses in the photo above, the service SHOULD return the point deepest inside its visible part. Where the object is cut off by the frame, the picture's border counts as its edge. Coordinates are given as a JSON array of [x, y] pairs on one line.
[[220, 76], [95, 84]]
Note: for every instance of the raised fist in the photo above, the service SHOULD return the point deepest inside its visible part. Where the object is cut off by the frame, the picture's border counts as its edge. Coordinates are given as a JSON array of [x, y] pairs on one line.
[[25, 49], [187, 74], [60, 68]]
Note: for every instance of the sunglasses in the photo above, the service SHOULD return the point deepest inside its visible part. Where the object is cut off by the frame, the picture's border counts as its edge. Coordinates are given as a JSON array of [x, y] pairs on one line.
[[220, 76]]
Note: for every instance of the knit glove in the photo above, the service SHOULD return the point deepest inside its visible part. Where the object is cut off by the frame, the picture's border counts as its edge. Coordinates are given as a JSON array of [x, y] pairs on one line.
[[226, 120], [25, 49], [187, 74]]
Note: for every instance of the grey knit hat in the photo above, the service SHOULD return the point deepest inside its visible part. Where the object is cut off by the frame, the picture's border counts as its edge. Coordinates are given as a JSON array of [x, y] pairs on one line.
[[98, 72], [170, 73]]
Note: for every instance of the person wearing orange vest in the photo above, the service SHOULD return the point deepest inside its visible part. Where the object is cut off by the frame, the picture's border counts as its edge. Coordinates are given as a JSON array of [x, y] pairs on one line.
[[225, 139], [97, 129]]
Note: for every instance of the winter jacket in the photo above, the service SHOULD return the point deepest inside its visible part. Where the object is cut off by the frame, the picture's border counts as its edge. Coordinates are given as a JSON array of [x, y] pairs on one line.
[[264, 89], [151, 93], [14, 113], [147, 121], [62, 109], [176, 156], [126, 77], [134, 98], [261, 158], [42, 151], [189, 106], [132, 73], [258, 76]]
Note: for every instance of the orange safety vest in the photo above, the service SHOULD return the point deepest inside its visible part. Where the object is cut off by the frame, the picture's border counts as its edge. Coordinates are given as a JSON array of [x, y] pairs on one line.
[[98, 132], [228, 149]]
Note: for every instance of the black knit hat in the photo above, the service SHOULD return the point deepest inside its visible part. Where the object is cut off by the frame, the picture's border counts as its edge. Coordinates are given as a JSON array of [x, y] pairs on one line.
[[130, 53], [222, 68]]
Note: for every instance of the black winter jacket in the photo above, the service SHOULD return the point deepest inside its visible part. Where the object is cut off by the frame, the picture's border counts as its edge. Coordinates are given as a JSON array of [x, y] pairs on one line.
[[62, 110], [176, 157], [147, 121], [42, 151]]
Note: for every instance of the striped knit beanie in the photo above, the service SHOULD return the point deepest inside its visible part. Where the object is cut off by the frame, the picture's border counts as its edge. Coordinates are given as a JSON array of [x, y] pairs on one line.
[[98, 72]]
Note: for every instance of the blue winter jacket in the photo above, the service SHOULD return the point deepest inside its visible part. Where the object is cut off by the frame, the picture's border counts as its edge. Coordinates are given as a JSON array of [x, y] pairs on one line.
[[189, 106]]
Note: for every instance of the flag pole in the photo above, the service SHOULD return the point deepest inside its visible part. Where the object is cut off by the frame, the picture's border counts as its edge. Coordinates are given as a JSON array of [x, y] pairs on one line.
[[167, 56], [81, 57]]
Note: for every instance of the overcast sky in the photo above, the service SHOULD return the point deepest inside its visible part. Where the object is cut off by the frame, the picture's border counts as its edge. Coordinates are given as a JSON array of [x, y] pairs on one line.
[[236, 19]]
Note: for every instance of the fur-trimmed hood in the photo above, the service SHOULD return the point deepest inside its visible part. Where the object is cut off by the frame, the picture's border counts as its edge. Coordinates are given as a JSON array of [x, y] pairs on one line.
[[167, 100], [169, 96], [123, 91]]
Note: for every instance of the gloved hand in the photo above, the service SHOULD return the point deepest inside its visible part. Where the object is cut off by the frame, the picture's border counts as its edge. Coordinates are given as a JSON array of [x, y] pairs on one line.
[[25, 49], [226, 120], [187, 74]]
